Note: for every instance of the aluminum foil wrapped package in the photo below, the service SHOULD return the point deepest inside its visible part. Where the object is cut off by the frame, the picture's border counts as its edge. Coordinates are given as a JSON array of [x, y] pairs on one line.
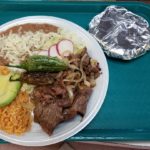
[[121, 33]]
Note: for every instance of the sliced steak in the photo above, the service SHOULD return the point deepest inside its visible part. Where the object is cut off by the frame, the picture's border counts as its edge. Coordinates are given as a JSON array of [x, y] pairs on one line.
[[48, 116], [49, 103], [66, 102], [90, 69], [48, 94], [39, 78], [50, 110], [53, 101], [79, 105], [42, 94]]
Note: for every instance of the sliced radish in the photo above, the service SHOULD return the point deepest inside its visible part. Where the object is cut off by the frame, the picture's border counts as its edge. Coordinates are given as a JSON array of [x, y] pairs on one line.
[[40, 52], [43, 52], [53, 52], [35, 52], [65, 47]]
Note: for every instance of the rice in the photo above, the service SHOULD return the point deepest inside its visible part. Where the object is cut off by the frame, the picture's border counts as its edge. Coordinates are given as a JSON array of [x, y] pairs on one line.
[[16, 118]]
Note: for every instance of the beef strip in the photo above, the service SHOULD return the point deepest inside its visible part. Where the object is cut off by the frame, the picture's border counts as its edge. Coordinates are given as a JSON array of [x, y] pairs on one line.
[[50, 101], [50, 110], [39, 78], [50, 94], [48, 116], [54, 106], [89, 69], [66, 102], [3, 62], [47, 93], [92, 70], [86, 60], [79, 105]]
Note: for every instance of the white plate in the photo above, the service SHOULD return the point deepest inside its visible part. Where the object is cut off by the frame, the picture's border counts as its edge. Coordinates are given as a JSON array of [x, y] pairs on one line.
[[36, 137]]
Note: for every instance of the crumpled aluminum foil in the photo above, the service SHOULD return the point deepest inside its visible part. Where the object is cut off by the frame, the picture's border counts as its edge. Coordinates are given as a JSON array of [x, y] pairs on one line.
[[121, 33]]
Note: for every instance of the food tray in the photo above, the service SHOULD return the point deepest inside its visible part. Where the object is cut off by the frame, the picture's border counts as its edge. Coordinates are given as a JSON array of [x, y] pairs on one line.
[[125, 114]]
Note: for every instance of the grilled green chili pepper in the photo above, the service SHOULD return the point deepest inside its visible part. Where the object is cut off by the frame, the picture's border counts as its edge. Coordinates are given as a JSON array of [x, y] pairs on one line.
[[39, 63]]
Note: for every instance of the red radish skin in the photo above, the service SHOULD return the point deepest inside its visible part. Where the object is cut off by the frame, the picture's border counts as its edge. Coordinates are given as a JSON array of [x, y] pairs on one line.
[[65, 45], [49, 52], [53, 51], [57, 49]]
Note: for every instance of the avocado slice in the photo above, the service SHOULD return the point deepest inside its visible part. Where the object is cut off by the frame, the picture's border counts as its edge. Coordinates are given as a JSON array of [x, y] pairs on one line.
[[8, 90]]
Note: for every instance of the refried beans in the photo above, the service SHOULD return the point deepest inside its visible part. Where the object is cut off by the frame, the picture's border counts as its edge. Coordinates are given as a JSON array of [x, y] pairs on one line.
[[30, 27]]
